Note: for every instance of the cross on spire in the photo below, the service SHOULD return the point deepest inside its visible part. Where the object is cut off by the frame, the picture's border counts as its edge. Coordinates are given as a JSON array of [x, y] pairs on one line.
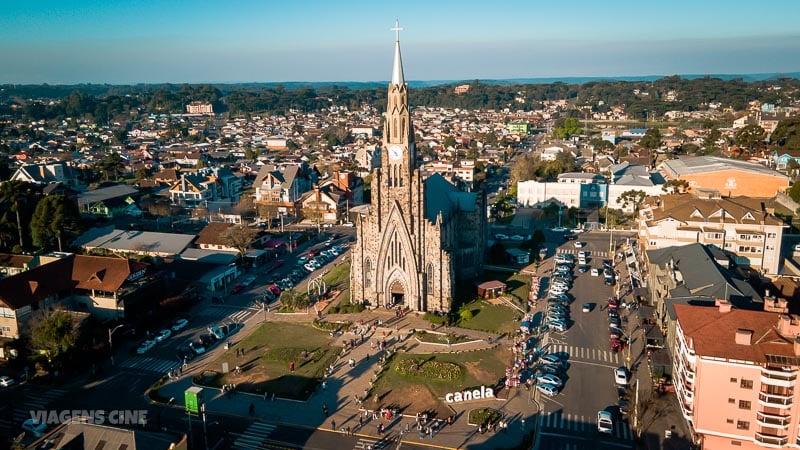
[[397, 30]]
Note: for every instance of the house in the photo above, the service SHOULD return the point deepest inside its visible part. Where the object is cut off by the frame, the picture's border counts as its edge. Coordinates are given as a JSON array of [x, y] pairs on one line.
[[193, 190], [111, 201], [348, 183], [11, 264], [46, 173], [282, 189], [741, 227], [325, 204], [76, 434], [212, 237]]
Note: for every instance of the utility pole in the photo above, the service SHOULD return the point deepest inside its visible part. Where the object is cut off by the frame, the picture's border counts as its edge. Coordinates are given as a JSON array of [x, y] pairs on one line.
[[110, 346], [205, 430]]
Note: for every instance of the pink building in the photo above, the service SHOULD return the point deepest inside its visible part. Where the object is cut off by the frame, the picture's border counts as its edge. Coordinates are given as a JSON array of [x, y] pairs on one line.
[[735, 374]]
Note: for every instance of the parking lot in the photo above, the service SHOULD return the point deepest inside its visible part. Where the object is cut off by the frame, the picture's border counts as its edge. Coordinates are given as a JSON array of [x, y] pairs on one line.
[[569, 419]]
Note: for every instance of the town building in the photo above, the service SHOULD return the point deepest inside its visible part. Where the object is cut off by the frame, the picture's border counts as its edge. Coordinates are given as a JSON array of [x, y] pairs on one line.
[[729, 177], [200, 108], [419, 236], [735, 376], [46, 173], [741, 227]]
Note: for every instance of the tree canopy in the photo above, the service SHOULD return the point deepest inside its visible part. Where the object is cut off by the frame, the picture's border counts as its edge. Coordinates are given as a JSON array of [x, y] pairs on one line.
[[53, 333], [55, 217]]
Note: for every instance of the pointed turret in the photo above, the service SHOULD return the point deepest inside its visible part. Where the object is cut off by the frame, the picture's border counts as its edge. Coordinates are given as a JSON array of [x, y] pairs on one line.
[[397, 68]]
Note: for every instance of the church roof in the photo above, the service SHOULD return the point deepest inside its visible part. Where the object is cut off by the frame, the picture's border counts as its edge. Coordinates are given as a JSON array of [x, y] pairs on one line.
[[442, 196], [397, 68]]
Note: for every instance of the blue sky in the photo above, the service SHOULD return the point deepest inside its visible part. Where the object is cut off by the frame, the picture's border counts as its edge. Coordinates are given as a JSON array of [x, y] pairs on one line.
[[131, 41]]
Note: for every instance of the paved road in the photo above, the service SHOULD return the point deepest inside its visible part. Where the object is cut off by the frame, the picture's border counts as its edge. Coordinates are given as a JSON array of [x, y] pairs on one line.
[[569, 420]]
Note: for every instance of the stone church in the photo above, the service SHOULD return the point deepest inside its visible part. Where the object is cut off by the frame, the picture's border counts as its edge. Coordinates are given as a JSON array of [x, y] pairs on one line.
[[418, 238]]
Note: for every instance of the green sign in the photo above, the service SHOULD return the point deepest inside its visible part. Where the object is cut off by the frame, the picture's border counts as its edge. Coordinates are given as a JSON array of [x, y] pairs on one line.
[[193, 398]]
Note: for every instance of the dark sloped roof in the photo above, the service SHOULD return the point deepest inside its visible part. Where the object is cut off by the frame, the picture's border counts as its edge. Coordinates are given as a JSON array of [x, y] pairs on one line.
[[441, 196], [36, 284]]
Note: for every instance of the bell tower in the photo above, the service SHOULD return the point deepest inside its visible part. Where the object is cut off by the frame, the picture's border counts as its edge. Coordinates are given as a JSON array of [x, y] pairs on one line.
[[398, 155]]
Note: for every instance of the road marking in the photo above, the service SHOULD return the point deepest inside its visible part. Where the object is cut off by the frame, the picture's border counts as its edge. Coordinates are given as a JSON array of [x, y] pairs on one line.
[[590, 363], [253, 437]]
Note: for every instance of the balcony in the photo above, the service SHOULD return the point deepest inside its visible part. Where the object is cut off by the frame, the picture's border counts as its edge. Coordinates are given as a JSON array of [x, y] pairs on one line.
[[773, 421], [774, 400], [777, 377], [771, 440]]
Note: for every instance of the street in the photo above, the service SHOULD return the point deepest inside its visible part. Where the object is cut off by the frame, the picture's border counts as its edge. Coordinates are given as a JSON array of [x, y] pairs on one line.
[[569, 419]]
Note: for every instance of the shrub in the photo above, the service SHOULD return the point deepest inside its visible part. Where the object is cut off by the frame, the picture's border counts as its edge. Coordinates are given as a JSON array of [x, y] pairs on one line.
[[484, 416], [435, 318], [430, 369], [465, 314]]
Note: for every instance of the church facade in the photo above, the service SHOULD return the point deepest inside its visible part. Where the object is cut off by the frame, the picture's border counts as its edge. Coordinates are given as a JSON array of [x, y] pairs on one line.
[[418, 238]]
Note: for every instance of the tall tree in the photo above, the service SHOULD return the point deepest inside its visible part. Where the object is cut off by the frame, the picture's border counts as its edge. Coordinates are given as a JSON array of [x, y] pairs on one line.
[[632, 197], [239, 237], [676, 186], [112, 164], [19, 195], [750, 137], [53, 333], [651, 139], [55, 217]]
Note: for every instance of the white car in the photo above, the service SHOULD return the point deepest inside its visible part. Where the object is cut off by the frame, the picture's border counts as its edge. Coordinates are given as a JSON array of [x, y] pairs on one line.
[[547, 389], [578, 244], [249, 280], [558, 229], [595, 272], [6, 381], [34, 427], [163, 335], [500, 237], [217, 332], [558, 290], [556, 325], [621, 376], [179, 324], [145, 347], [605, 422], [549, 378]]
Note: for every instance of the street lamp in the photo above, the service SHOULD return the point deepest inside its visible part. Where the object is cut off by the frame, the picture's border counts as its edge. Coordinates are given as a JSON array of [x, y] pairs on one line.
[[110, 344]]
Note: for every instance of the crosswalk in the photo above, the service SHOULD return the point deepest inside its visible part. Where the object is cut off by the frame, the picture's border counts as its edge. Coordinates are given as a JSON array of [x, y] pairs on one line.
[[574, 251], [579, 424], [585, 354], [253, 437], [372, 444], [224, 314], [33, 399], [156, 365]]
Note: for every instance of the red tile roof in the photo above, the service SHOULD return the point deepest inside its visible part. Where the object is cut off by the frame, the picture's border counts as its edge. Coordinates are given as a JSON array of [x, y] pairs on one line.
[[713, 333]]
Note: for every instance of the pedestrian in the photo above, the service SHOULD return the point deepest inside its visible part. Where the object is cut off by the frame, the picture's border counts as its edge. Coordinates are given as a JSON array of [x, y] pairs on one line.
[[347, 431], [360, 421], [408, 427], [522, 422], [291, 366], [325, 409], [333, 425], [252, 409], [380, 428], [265, 395], [430, 432], [324, 385]]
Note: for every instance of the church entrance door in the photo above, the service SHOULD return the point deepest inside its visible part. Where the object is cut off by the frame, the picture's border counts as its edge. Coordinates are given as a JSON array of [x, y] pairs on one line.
[[397, 294]]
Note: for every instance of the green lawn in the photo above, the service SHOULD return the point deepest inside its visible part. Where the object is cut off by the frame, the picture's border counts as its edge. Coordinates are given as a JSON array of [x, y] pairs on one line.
[[338, 275], [269, 350], [479, 368], [491, 318]]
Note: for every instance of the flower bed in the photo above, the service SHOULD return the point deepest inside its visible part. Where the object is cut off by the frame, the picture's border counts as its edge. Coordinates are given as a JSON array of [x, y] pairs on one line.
[[484, 416], [430, 369], [441, 338]]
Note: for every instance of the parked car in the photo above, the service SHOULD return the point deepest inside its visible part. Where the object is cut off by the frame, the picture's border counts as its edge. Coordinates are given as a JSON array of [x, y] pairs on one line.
[[207, 339], [275, 289], [557, 321], [145, 346], [163, 335], [549, 378], [583, 268], [197, 347], [185, 353], [605, 422], [249, 280], [595, 272], [621, 376], [547, 389], [587, 307], [616, 333], [6, 381], [34, 427], [578, 244], [617, 345], [614, 322], [238, 288], [179, 324], [216, 332], [551, 359], [548, 368]]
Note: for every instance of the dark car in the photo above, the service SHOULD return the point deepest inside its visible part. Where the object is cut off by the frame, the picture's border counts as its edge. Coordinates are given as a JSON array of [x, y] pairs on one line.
[[584, 268], [613, 313], [238, 288], [185, 353], [207, 339]]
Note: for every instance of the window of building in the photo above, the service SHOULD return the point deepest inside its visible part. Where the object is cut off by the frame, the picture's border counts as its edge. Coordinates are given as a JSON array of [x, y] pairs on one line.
[[429, 278], [729, 421], [744, 404], [736, 443], [771, 235], [746, 384], [742, 425], [367, 273], [731, 400], [733, 380]]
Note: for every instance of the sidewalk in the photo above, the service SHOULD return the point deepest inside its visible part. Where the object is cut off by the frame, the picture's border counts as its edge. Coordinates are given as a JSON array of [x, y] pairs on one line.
[[346, 383]]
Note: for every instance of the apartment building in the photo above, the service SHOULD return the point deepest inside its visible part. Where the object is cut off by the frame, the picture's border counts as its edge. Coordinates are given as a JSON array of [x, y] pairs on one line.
[[735, 376], [740, 226]]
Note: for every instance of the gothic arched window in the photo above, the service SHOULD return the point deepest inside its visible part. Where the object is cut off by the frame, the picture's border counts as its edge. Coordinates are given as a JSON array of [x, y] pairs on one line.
[[367, 273], [429, 277]]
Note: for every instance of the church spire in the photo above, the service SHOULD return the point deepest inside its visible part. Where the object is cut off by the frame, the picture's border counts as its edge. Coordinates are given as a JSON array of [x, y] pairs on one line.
[[397, 68]]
